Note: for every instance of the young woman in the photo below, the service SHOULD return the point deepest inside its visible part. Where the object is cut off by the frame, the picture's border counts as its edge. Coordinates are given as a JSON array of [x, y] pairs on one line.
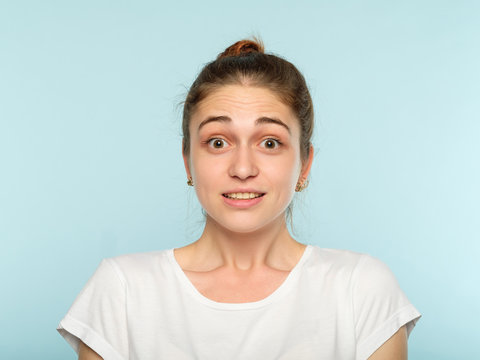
[[245, 289]]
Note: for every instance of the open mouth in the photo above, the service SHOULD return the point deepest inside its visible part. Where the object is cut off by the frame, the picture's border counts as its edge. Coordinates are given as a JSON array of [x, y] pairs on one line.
[[243, 196]]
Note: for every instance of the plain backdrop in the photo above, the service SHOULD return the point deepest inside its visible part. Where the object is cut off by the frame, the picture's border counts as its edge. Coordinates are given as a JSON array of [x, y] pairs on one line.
[[90, 161]]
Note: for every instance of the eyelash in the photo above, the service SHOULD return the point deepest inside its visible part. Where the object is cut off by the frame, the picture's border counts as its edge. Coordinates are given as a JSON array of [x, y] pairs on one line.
[[209, 142], [277, 143]]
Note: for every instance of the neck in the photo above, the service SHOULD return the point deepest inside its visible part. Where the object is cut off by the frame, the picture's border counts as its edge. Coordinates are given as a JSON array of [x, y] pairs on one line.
[[271, 246]]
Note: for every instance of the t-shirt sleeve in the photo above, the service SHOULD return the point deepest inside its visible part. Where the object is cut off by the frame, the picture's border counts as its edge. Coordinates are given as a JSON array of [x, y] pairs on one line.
[[380, 306], [98, 315]]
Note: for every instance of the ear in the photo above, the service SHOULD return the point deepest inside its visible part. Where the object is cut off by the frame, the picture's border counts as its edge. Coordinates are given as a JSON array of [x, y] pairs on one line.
[[307, 164], [186, 161]]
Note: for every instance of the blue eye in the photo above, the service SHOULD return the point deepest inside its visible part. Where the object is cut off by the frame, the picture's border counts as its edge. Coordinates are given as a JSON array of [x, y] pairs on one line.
[[217, 143], [270, 144]]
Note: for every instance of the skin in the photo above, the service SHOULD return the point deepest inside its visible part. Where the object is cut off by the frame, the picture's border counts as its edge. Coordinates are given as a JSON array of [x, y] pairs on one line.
[[244, 137], [243, 255], [394, 348], [85, 353]]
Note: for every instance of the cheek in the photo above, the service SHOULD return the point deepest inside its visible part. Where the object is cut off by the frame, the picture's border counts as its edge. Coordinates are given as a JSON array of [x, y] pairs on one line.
[[203, 167], [206, 176], [284, 170]]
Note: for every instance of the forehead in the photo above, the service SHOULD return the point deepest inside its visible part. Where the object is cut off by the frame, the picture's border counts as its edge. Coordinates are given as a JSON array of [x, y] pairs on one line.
[[242, 100]]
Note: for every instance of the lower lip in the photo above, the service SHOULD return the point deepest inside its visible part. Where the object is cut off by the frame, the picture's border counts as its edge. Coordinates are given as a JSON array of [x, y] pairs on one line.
[[242, 203]]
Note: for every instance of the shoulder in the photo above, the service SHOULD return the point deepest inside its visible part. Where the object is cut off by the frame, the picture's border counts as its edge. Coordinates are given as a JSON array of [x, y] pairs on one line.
[[336, 259], [361, 271], [343, 258], [139, 265], [140, 259]]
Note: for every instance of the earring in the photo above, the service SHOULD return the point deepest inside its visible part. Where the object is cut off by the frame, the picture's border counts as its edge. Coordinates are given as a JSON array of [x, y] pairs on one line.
[[190, 181], [301, 185]]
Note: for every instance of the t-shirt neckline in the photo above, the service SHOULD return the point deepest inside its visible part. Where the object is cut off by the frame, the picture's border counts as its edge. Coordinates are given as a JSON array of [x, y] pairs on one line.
[[282, 289]]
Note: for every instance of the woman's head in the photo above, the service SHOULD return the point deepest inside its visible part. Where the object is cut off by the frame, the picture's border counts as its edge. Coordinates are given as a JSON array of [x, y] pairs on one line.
[[247, 126], [245, 63]]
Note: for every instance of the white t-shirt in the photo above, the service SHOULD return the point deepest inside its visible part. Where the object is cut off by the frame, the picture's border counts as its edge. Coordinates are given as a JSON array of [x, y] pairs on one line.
[[334, 304]]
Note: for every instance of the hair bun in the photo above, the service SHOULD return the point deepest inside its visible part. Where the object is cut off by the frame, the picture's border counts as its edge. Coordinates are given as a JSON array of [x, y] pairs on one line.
[[243, 47]]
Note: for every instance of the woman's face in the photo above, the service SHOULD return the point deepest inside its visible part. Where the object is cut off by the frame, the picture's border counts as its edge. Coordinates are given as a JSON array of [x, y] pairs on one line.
[[245, 157]]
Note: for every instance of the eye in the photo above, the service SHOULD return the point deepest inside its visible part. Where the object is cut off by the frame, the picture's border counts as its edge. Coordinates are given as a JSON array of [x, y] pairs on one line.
[[270, 144], [217, 143]]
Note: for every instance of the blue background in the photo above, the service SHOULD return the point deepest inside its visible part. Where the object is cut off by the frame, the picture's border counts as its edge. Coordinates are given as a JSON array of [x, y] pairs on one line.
[[90, 162]]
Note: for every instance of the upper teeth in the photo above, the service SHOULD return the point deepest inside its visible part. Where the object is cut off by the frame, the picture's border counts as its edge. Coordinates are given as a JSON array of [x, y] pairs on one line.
[[243, 195]]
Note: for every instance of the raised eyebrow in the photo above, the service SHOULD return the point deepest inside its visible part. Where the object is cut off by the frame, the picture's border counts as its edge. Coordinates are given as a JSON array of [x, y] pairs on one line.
[[212, 119], [267, 120]]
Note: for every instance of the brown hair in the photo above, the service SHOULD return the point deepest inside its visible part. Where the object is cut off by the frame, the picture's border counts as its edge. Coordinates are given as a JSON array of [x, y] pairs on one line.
[[245, 63]]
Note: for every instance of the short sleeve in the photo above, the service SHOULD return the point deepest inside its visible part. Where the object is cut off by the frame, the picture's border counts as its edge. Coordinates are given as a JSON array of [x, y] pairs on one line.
[[380, 306], [98, 315]]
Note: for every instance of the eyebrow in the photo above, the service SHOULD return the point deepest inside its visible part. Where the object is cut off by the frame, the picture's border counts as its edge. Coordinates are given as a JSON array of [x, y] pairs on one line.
[[259, 121], [212, 119], [267, 120]]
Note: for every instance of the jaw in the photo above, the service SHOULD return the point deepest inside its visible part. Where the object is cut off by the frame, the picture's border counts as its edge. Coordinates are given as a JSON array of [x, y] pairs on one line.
[[245, 226]]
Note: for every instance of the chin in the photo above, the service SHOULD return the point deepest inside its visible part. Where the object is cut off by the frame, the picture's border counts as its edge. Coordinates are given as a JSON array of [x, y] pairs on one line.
[[246, 224]]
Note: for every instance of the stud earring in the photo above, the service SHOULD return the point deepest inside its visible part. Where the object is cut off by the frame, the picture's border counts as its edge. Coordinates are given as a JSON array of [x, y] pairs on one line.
[[301, 185], [190, 181]]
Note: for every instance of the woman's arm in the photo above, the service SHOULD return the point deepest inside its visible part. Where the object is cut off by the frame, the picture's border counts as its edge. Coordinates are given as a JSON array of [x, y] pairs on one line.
[[394, 348], [85, 353]]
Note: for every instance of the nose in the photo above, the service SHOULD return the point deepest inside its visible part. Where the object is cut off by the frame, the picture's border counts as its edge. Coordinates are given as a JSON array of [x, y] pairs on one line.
[[243, 164]]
